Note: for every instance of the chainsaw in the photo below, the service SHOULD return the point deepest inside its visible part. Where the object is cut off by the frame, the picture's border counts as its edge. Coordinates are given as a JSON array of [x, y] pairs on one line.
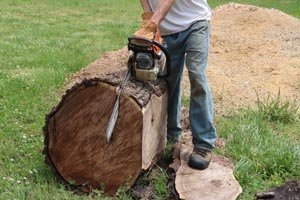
[[148, 60]]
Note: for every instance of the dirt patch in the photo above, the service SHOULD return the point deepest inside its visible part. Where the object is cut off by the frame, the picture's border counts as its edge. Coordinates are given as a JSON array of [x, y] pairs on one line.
[[290, 190], [253, 51]]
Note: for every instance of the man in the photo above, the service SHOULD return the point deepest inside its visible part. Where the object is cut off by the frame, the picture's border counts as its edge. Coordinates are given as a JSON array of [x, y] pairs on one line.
[[185, 29]]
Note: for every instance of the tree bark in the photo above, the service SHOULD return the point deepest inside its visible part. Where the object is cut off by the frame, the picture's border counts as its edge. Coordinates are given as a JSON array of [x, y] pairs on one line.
[[75, 142]]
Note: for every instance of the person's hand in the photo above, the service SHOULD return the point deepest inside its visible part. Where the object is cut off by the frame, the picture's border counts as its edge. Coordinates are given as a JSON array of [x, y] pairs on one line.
[[148, 28]]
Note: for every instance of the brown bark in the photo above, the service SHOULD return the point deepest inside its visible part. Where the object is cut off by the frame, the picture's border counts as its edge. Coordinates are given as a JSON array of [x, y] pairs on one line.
[[75, 144]]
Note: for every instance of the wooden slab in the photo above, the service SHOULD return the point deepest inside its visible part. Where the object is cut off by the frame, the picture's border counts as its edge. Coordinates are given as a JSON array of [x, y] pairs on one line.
[[217, 182]]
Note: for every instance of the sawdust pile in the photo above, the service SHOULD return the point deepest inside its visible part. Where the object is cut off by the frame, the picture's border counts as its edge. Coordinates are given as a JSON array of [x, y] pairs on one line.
[[253, 51]]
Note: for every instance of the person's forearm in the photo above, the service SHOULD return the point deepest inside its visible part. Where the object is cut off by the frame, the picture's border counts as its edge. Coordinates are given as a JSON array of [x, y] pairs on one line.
[[162, 9], [145, 5]]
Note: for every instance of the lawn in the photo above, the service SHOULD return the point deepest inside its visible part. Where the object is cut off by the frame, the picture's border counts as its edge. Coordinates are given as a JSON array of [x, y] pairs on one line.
[[42, 42]]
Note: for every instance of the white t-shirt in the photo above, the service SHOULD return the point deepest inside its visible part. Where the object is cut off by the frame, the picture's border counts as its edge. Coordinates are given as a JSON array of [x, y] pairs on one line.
[[182, 15]]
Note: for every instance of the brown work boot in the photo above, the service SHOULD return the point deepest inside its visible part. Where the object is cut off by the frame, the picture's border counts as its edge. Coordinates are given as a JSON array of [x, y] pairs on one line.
[[200, 158]]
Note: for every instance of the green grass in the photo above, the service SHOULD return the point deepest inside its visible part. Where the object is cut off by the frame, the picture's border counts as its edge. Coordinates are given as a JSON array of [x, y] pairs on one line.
[[276, 110], [264, 148], [159, 182], [41, 43]]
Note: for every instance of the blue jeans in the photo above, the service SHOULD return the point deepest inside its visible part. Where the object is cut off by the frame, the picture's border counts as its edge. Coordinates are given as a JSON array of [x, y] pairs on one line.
[[192, 47]]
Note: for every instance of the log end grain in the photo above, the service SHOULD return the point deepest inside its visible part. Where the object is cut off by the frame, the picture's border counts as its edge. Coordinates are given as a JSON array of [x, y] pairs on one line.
[[75, 138]]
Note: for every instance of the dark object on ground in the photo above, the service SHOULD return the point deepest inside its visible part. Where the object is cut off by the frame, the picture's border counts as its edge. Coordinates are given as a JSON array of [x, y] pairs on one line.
[[75, 142], [289, 191]]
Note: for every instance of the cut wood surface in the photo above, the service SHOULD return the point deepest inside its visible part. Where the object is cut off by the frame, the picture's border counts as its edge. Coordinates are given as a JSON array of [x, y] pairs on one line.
[[75, 142], [217, 182]]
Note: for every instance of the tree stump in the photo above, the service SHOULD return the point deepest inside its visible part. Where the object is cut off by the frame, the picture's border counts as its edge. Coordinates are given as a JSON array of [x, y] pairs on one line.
[[75, 142]]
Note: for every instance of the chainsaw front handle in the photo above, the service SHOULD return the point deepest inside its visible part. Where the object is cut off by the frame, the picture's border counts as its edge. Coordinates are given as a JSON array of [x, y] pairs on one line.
[[168, 58], [146, 42]]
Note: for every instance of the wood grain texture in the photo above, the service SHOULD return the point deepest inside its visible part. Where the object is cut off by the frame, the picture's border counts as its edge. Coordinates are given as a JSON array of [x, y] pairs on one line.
[[78, 147]]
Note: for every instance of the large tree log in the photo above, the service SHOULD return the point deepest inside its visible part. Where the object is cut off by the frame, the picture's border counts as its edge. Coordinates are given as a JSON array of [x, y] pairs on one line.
[[75, 143]]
